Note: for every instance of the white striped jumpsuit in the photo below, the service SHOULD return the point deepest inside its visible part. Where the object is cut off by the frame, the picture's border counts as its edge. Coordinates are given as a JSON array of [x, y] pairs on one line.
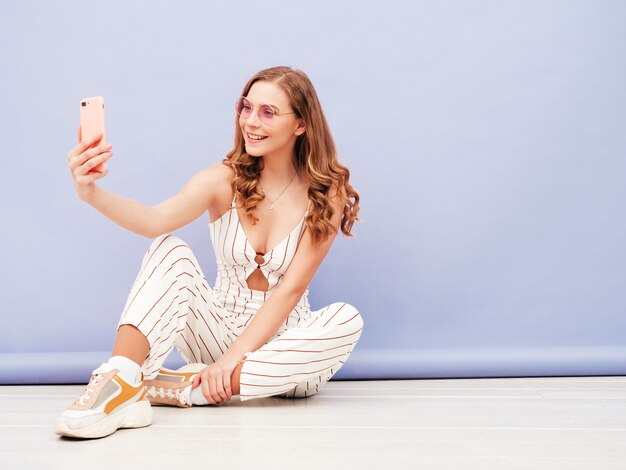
[[172, 304]]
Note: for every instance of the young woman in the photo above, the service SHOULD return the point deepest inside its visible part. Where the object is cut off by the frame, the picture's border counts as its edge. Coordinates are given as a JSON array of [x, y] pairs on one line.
[[276, 203]]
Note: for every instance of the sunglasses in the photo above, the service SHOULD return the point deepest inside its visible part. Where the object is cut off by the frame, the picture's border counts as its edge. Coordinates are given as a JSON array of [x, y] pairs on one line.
[[265, 112]]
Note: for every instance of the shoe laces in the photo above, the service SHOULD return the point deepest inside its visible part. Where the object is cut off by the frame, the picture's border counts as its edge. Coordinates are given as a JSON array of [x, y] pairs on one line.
[[178, 394], [96, 377]]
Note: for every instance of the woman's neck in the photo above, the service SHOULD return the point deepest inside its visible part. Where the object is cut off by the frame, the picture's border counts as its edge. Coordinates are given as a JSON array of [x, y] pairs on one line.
[[277, 169]]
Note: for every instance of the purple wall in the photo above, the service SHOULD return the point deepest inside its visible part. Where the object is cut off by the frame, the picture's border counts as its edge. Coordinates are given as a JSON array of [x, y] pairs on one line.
[[486, 139]]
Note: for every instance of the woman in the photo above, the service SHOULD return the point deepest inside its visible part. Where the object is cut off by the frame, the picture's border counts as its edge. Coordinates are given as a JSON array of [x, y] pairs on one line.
[[276, 203]]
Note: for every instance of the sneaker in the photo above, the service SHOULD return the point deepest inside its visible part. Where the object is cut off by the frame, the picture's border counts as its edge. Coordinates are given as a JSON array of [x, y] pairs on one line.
[[107, 404], [173, 387]]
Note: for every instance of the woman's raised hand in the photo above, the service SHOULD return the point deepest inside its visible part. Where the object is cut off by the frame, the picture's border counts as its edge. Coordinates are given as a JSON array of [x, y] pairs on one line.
[[83, 159]]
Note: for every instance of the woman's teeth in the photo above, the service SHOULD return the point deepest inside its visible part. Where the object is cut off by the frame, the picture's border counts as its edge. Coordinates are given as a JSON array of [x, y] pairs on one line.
[[256, 137]]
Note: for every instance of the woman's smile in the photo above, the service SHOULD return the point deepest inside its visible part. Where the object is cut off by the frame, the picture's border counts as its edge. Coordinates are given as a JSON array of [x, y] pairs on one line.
[[254, 138]]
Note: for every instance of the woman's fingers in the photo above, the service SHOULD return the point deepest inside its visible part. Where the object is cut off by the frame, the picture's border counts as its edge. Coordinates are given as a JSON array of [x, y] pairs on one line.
[[89, 178], [215, 385], [82, 146], [92, 152], [95, 161], [84, 163], [219, 386], [83, 160], [206, 390], [227, 387], [79, 159]]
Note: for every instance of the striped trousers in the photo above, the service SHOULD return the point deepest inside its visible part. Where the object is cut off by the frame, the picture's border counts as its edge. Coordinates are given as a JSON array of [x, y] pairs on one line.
[[172, 304]]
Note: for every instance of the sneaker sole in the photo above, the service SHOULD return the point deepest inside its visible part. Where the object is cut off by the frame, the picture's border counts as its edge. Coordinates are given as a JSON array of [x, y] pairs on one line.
[[137, 415]]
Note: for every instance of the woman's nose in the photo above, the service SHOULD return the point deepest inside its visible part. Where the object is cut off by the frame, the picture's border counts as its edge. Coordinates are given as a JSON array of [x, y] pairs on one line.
[[253, 119]]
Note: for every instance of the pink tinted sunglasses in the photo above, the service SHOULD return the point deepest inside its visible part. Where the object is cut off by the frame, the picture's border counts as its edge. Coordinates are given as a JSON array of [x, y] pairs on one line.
[[265, 112]]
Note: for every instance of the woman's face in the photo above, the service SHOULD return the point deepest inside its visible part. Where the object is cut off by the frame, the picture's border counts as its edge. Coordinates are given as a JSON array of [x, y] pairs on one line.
[[268, 138]]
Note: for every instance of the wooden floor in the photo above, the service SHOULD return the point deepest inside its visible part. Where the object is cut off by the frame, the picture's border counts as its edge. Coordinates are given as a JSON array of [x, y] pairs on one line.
[[526, 423]]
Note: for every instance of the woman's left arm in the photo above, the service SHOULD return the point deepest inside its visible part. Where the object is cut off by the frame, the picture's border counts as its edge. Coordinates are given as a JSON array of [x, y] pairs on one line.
[[273, 313]]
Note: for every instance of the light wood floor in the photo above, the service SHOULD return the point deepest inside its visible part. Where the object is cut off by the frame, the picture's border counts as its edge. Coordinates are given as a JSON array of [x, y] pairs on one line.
[[526, 423]]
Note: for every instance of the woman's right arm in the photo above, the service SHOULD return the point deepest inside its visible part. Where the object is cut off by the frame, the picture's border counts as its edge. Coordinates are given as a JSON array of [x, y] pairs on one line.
[[195, 198]]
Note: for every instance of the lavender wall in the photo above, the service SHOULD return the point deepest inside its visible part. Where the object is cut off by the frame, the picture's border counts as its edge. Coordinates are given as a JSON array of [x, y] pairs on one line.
[[486, 139]]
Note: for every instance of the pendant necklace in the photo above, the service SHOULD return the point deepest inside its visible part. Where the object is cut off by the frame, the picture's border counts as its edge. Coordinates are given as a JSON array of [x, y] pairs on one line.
[[281, 193]]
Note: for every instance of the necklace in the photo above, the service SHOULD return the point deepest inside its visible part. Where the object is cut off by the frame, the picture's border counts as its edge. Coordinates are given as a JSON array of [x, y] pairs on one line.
[[281, 193]]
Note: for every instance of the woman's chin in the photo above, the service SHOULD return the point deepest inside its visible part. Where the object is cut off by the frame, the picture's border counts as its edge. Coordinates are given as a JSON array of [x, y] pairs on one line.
[[252, 151]]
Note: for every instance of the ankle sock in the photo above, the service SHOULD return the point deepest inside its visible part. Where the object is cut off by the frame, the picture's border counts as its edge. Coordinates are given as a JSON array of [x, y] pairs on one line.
[[197, 398], [130, 371]]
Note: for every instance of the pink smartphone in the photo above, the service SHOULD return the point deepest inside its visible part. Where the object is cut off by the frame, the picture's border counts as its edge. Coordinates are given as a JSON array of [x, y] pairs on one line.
[[92, 122]]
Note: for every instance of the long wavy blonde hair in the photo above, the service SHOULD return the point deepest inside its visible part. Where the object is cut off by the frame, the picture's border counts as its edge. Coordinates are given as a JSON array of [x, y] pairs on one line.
[[315, 157]]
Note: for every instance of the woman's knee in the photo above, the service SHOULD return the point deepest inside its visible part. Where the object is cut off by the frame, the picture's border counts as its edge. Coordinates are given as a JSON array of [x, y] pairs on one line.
[[345, 314], [164, 251], [355, 318], [166, 241], [165, 245]]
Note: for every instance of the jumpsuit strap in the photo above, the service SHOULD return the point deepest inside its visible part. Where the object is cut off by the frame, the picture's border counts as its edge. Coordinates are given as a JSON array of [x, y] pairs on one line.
[[303, 228]]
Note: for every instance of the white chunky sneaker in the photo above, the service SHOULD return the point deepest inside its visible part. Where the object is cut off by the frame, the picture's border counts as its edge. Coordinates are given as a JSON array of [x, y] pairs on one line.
[[107, 404]]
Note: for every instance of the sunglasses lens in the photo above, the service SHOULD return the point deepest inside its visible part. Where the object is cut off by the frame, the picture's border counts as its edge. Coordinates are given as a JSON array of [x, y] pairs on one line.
[[266, 114], [242, 106]]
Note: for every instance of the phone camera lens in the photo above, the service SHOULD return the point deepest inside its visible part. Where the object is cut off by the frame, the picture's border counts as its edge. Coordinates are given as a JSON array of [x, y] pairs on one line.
[[84, 103]]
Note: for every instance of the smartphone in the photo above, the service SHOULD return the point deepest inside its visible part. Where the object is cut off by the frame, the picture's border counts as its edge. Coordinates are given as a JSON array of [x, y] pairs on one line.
[[92, 123]]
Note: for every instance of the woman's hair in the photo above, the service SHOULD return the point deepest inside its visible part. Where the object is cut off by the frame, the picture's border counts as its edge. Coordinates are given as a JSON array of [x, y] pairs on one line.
[[315, 157]]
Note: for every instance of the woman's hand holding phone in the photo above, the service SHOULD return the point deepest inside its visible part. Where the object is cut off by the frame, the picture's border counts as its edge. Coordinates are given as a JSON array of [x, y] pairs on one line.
[[83, 159]]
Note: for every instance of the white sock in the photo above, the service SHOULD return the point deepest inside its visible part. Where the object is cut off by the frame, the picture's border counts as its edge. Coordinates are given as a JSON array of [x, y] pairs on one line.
[[130, 371], [197, 398]]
